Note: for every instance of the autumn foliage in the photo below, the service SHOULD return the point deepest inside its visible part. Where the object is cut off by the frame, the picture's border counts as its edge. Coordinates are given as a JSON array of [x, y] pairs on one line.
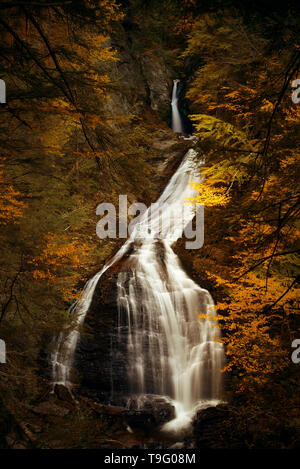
[[247, 125]]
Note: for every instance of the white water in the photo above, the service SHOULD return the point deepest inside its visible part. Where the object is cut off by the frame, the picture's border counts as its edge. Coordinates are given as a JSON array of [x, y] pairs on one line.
[[170, 353], [176, 119]]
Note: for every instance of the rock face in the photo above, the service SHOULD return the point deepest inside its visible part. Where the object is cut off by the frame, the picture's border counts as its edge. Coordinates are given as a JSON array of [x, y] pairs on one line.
[[131, 90], [141, 79], [101, 365], [159, 81]]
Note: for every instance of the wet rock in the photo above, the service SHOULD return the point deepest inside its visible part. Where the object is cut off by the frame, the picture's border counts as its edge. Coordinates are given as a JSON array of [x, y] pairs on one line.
[[148, 412], [164, 140], [101, 355], [63, 393], [158, 407]]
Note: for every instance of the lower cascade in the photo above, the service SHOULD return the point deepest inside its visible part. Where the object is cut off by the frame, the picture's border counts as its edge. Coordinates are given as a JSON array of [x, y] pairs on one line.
[[170, 351]]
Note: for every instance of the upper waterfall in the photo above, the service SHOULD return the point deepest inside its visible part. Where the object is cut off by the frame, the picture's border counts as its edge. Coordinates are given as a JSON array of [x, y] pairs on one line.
[[177, 125]]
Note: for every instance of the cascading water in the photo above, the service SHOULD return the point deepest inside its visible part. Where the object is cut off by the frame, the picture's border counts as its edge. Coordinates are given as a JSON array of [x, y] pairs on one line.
[[169, 352], [176, 118]]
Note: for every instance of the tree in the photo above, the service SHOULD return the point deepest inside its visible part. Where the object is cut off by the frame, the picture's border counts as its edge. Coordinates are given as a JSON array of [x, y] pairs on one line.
[[247, 126]]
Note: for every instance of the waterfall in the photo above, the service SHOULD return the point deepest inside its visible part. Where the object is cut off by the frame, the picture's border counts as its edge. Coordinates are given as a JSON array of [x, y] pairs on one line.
[[176, 118], [169, 351]]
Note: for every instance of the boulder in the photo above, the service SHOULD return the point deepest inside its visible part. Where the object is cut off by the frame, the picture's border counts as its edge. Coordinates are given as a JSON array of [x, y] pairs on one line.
[[159, 407], [211, 427], [63, 393]]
